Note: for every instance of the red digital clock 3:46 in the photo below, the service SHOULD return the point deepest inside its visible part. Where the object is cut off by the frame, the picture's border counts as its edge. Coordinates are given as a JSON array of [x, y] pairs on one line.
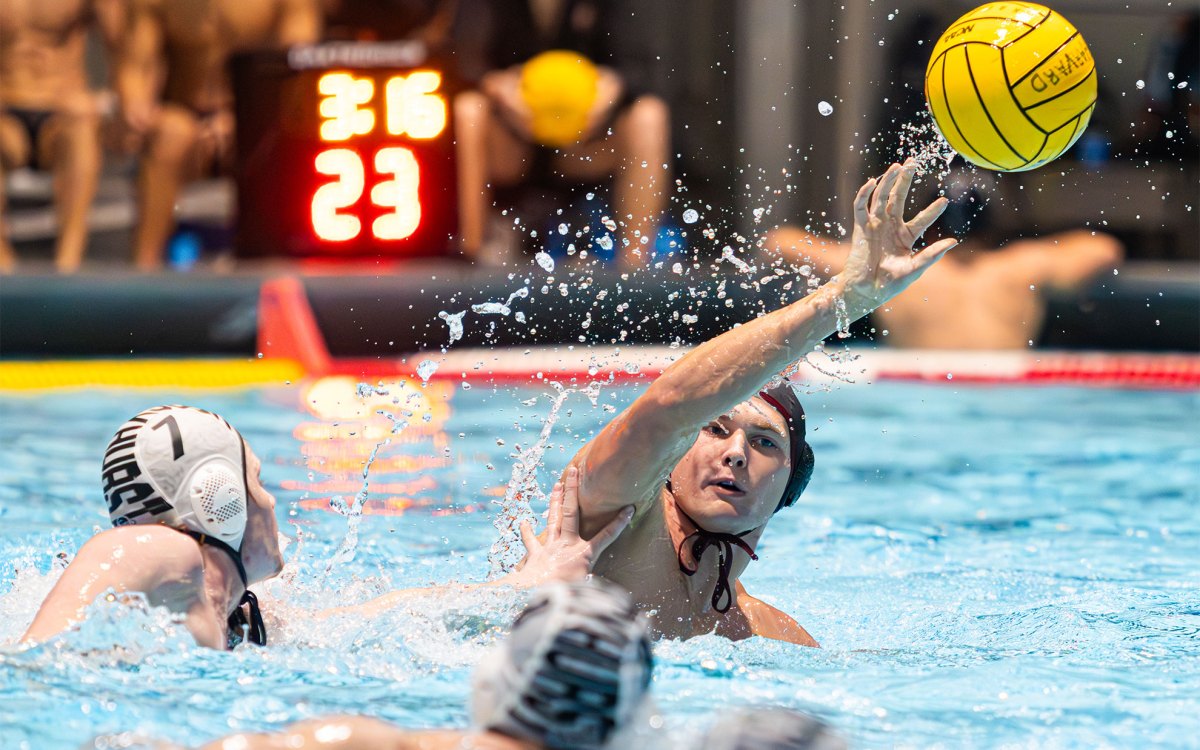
[[344, 149]]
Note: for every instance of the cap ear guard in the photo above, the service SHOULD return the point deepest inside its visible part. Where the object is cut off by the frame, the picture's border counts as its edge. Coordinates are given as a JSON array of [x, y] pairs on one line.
[[217, 499]]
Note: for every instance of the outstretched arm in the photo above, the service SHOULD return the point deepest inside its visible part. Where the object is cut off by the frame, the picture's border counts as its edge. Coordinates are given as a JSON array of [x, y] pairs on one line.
[[628, 461], [1067, 260]]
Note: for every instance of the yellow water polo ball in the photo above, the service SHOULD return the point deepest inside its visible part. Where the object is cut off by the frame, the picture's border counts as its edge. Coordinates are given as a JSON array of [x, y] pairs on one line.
[[559, 87], [1011, 85]]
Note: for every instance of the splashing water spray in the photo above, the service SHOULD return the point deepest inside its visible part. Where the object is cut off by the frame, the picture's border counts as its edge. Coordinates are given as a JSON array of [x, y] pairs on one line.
[[516, 507], [354, 512]]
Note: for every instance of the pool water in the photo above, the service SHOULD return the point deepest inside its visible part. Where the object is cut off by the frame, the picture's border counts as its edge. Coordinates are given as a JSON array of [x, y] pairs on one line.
[[985, 567]]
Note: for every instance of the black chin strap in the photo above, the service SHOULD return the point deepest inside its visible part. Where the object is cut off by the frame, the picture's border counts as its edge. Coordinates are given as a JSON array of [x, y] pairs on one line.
[[242, 624], [247, 624], [701, 539]]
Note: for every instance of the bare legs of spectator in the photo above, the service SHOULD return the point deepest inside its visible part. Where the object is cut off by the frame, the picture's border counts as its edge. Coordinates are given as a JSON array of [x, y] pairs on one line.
[[71, 144], [640, 142], [471, 123], [167, 161], [635, 154], [488, 154], [13, 151], [73, 141]]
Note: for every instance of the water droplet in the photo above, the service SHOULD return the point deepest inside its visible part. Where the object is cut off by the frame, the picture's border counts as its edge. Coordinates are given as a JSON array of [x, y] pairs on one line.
[[455, 324], [427, 368], [825, 108], [1140, 84], [605, 242], [491, 308], [563, 229], [949, 376], [691, 216], [544, 260]]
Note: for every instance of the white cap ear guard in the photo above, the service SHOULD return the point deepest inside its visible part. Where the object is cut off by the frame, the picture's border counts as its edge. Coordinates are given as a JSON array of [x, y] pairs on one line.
[[179, 466], [573, 671]]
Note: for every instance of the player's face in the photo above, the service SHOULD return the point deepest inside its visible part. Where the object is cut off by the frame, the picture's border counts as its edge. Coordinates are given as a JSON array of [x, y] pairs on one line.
[[260, 545], [733, 476]]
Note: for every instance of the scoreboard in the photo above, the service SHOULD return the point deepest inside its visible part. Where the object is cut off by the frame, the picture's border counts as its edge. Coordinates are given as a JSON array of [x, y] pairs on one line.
[[344, 150]]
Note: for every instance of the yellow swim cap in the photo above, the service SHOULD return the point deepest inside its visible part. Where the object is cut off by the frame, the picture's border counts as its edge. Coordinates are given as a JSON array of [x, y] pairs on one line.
[[559, 87]]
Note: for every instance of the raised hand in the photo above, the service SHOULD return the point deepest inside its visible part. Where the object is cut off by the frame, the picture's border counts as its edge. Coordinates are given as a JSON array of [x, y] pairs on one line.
[[882, 262], [561, 555]]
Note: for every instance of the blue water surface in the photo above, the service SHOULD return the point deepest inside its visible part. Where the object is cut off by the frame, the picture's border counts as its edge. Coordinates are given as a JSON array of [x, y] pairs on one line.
[[984, 567]]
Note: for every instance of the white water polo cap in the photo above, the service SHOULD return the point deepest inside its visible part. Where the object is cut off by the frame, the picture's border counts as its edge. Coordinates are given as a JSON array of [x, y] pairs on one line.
[[179, 466], [573, 671]]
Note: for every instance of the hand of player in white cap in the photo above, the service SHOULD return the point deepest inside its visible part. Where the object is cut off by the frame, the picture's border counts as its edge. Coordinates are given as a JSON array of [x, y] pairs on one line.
[[561, 555], [882, 262]]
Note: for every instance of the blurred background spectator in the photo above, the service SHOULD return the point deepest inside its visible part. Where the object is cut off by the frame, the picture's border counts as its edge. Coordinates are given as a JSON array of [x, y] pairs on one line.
[[982, 295], [175, 93], [49, 116], [622, 130], [427, 21]]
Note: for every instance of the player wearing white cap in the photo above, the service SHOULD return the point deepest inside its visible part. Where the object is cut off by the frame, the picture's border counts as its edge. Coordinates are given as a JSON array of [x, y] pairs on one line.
[[194, 528]]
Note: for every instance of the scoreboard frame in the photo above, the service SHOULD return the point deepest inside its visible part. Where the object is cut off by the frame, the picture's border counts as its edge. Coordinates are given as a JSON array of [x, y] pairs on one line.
[[344, 150]]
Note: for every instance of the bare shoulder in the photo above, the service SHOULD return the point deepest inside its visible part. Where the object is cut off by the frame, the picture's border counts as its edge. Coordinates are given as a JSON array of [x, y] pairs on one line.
[[159, 562], [769, 622], [148, 548], [361, 733]]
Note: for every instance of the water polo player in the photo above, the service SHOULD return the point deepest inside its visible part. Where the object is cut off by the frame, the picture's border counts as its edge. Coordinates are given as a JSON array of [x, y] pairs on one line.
[[572, 675], [702, 502], [194, 528]]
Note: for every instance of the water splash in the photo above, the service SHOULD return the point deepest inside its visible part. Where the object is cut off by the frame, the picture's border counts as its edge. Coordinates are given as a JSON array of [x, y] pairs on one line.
[[516, 507], [491, 308], [454, 322], [921, 140], [738, 263], [426, 369], [349, 545]]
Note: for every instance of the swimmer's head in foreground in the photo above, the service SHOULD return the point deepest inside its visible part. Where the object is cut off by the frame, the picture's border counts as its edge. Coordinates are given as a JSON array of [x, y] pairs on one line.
[[189, 469], [572, 673]]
